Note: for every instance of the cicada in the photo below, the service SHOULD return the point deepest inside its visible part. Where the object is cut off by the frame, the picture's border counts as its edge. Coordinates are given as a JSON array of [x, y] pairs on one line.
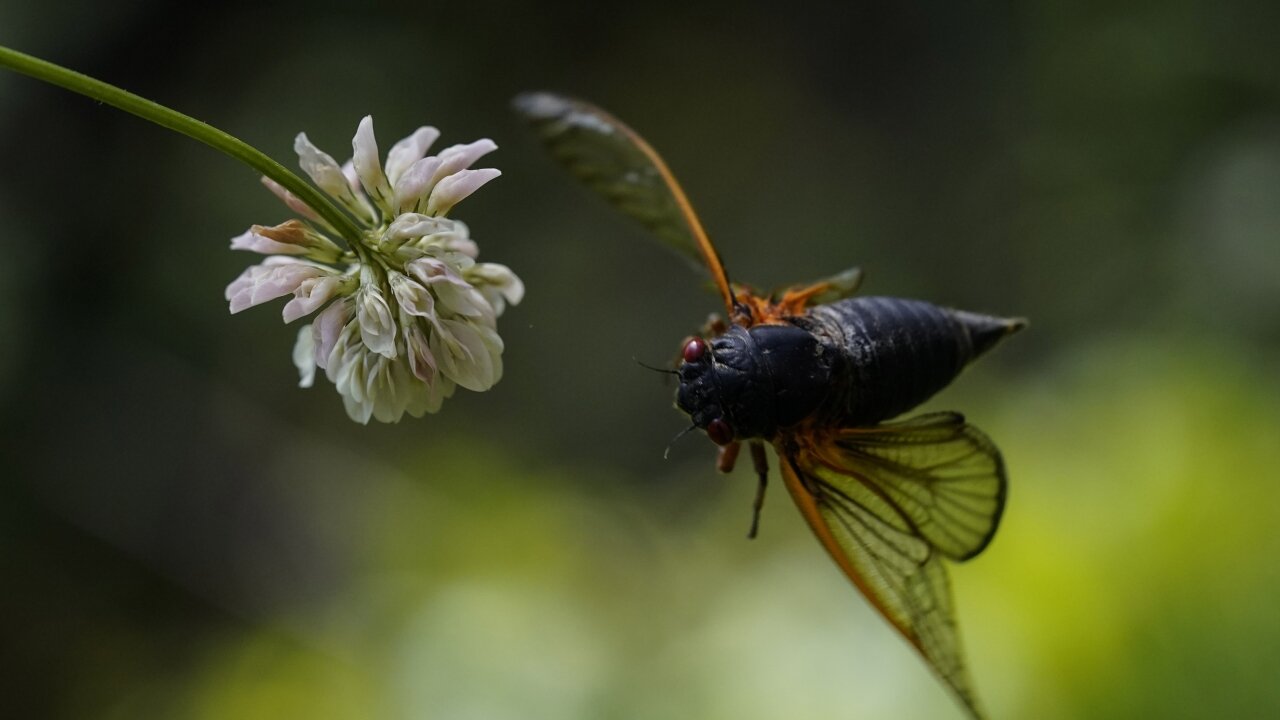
[[822, 375]]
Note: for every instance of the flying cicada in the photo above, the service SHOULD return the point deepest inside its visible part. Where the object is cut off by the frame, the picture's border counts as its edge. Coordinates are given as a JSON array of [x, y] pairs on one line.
[[821, 374]]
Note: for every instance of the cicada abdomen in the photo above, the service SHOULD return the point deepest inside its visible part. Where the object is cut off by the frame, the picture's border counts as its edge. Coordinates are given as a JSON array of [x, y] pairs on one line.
[[894, 353]]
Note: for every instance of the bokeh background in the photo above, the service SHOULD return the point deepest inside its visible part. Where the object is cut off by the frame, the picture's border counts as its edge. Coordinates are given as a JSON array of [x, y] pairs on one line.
[[184, 533]]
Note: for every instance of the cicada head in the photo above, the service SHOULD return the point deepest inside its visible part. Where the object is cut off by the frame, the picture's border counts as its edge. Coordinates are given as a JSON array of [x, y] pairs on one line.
[[749, 383]]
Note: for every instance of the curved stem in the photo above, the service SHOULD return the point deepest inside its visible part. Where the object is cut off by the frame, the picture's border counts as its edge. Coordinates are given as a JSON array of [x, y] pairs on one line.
[[189, 126]]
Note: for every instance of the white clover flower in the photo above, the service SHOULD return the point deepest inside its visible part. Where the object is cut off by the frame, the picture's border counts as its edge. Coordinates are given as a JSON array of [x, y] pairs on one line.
[[408, 315]]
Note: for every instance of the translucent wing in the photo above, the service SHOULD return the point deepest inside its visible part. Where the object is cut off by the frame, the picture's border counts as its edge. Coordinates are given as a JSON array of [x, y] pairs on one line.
[[837, 287], [889, 503], [796, 298], [942, 475], [613, 160]]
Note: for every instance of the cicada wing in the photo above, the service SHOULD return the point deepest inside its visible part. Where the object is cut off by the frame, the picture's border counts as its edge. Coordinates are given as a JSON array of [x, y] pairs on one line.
[[837, 287], [796, 298], [882, 502], [942, 475], [613, 160]]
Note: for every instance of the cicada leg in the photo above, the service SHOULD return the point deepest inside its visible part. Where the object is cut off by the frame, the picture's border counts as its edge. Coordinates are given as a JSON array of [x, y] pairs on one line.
[[725, 461], [761, 463], [715, 326], [728, 457]]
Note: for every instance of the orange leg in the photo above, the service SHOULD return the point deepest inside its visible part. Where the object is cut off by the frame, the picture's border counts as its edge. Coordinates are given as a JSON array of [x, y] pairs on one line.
[[728, 456], [715, 326]]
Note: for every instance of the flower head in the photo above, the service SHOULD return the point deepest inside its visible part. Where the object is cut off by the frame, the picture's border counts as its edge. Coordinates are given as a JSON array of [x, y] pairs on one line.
[[407, 314]]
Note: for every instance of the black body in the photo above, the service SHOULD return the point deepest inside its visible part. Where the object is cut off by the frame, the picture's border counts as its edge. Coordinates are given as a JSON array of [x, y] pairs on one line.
[[855, 362]]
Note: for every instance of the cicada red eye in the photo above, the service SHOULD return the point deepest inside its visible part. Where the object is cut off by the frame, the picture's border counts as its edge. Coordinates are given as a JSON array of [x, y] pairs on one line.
[[694, 350], [719, 432]]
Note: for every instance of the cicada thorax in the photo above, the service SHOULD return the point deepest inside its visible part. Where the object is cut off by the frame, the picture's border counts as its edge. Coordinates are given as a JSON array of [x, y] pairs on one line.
[[850, 363]]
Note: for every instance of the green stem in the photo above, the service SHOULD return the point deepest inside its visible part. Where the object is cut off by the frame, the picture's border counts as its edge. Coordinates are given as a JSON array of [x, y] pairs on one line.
[[189, 126]]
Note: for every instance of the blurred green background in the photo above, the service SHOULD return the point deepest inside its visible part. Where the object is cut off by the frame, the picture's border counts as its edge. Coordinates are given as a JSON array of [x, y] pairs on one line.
[[186, 534]]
